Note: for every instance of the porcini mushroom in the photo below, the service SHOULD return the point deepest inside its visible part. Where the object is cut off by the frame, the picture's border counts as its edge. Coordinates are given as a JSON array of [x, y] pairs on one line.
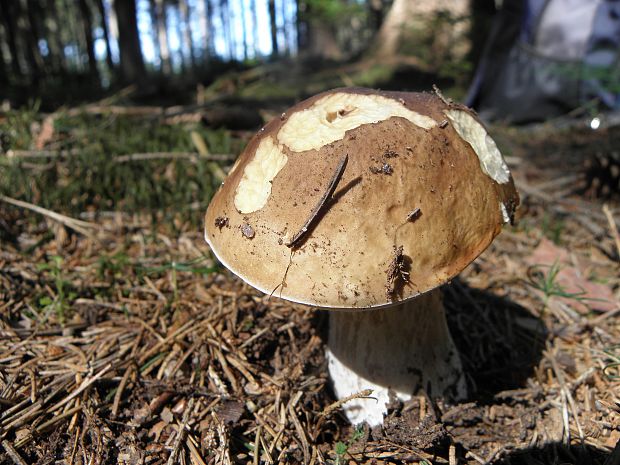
[[366, 202]]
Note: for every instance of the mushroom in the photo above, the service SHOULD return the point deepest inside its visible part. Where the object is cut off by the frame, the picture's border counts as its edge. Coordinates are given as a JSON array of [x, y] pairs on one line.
[[366, 202]]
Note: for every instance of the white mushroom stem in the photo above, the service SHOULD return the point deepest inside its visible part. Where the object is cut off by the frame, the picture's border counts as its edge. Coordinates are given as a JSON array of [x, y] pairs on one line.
[[401, 349]]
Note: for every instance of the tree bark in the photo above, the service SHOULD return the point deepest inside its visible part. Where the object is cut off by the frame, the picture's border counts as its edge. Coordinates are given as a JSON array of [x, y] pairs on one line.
[[285, 30], [154, 35], [113, 23], [4, 61], [10, 27], [254, 27], [54, 42], [321, 40], [273, 28], [4, 75], [159, 12], [27, 26], [87, 26], [35, 28], [187, 33], [210, 37], [244, 31], [203, 46], [106, 34], [375, 14], [181, 51], [442, 22], [72, 34], [228, 38], [302, 26], [132, 63]]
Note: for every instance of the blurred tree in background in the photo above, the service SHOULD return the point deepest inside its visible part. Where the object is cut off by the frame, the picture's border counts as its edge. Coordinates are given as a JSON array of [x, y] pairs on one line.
[[72, 49]]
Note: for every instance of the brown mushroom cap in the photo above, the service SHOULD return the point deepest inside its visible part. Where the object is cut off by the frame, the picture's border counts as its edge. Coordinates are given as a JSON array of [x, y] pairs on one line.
[[406, 151]]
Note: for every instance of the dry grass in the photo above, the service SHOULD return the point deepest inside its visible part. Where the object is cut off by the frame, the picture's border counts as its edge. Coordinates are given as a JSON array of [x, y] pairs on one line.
[[129, 345]]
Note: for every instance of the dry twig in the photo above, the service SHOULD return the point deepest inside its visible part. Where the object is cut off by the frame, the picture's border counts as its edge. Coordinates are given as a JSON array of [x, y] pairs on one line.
[[613, 228], [12, 453], [365, 394], [83, 227], [331, 187]]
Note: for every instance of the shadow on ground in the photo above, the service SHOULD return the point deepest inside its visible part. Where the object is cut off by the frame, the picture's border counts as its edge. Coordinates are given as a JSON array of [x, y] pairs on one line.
[[555, 453], [500, 342]]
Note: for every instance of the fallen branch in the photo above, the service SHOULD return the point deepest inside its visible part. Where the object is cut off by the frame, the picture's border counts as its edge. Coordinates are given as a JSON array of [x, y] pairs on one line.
[[612, 227], [41, 153], [11, 452], [124, 110], [83, 227], [365, 394], [191, 156]]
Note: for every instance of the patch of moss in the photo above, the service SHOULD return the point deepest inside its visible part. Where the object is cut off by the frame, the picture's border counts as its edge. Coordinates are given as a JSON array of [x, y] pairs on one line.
[[87, 177]]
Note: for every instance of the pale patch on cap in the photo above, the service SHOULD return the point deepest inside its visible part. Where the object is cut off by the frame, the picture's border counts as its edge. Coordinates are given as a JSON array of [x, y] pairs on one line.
[[505, 214], [329, 118], [484, 146], [254, 188]]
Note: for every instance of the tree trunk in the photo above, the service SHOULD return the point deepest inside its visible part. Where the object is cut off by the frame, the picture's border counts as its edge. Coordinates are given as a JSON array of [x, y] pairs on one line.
[[72, 34], [375, 14], [87, 25], [10, 27], [244, 31], [443, 23], [113, 23], [106, 34], [322, 41], [273, 28], [204, 30], [4, 75], [35, 27], [180, 50], [159, 11], [132, 63], [302, 26], [254, 27], [315, 36], [28, 29], [54, 42], [210, 38], [4, 61], [225, 18], [154, 35], [187, 33], [286, 46]]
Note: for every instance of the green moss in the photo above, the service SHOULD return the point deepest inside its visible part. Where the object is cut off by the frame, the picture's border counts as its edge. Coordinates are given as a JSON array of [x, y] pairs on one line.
[[90, 179], [264, 89]]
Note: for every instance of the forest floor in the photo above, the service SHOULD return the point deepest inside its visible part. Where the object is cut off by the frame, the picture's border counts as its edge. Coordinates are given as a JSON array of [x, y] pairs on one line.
[[123, 341]]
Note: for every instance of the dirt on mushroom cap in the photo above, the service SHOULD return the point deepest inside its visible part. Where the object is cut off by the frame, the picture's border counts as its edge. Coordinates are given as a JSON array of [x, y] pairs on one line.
[[343, 258]]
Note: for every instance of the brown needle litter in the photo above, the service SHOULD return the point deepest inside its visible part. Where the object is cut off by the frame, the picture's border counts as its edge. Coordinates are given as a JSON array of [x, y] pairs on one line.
[[328, 193]]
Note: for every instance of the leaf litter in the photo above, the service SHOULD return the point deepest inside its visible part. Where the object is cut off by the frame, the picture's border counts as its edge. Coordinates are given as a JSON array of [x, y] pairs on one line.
[[160, 356]]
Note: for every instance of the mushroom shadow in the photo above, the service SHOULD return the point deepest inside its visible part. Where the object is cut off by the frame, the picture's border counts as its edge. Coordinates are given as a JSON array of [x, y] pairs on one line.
[[499, 341], [555, 452]]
